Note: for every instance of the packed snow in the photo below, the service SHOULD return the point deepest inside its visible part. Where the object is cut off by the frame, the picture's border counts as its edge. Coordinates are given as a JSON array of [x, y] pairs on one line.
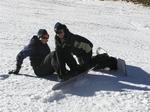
[[121, 28]]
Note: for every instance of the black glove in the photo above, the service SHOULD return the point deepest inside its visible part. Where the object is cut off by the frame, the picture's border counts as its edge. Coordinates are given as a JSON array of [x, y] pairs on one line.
[[13, 72], [16, 71]]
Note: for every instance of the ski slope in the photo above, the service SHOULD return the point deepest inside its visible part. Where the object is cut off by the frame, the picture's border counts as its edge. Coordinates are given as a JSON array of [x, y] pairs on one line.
[[121, 28]]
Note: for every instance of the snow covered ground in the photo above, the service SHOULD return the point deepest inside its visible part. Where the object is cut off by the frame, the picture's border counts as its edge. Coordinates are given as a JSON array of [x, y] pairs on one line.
[[123, 29]]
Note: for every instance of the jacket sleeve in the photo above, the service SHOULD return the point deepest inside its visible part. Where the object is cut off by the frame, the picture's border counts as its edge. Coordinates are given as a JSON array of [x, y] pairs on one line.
[[22, 55], [82, 45], [27, 51], [83, 39]]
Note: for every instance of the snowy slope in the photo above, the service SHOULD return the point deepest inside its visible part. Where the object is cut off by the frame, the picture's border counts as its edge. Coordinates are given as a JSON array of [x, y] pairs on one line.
[[123, 29]]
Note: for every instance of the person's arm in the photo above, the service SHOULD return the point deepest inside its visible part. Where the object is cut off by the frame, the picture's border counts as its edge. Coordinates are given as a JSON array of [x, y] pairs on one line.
[[27, 51], [82, 45], [60, 53]]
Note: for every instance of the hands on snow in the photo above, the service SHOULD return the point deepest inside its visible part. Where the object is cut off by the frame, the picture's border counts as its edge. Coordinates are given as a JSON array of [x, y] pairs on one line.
[[16, 71]]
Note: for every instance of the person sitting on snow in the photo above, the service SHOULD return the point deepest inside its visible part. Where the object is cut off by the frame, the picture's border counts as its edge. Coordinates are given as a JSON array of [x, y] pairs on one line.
[[39, 53]]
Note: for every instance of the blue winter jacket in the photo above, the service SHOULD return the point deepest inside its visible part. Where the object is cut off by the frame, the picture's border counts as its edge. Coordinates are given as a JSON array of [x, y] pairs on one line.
[[36, 51]]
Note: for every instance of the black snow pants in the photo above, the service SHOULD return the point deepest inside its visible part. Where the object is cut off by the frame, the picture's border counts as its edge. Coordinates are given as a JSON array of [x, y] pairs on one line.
[[46, 67], [63, 58]]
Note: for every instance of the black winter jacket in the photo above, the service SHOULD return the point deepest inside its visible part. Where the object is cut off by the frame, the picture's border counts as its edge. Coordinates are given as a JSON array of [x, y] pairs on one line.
[[75, 44], [36, 50]]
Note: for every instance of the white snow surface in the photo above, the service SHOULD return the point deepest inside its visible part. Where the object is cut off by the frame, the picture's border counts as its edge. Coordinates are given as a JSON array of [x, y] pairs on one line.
[[121, 28]]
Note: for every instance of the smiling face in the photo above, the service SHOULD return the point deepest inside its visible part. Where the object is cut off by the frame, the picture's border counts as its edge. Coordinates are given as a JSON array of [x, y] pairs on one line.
[[44, 39]]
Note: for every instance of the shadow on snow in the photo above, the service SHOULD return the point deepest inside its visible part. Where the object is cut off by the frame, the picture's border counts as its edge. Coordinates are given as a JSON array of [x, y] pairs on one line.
[[137, 79], [52, 77]]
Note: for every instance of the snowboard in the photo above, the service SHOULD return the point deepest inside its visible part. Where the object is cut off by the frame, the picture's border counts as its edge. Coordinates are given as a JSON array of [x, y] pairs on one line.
[[73, 79], [121, 71]]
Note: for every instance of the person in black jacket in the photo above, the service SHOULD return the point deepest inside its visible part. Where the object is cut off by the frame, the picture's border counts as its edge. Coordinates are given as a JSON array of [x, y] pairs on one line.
[[69, 44], [39, 53]]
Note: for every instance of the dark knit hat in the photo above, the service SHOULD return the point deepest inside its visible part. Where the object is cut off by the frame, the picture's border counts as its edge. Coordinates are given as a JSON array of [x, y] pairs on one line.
[[58, 26], [42, 32]]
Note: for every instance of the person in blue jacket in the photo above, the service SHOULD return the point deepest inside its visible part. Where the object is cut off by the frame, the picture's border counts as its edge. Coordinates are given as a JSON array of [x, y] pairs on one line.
[[39, 53]]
